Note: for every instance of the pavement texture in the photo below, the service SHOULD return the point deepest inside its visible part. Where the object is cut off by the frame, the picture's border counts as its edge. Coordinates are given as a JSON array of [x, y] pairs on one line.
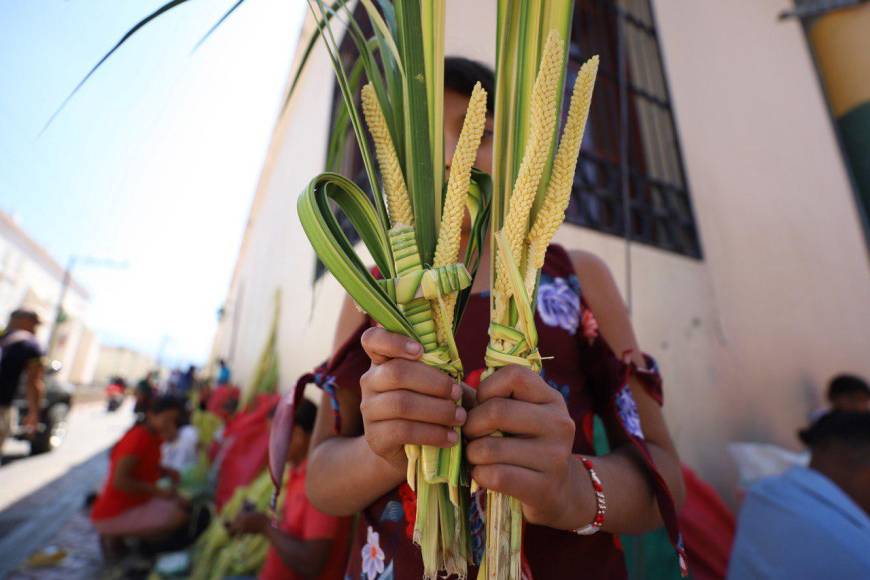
[[42, 497]]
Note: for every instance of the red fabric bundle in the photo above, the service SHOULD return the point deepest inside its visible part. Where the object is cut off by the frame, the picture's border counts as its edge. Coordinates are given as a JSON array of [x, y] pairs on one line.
[[245, 447]]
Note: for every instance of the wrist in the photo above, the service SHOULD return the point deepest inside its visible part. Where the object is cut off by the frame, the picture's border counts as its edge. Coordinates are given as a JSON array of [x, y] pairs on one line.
[[579, 501], [397, 468], [390, 470]]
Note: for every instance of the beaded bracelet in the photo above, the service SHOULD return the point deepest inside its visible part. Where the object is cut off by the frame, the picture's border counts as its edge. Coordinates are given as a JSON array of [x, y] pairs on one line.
[[600, 501]]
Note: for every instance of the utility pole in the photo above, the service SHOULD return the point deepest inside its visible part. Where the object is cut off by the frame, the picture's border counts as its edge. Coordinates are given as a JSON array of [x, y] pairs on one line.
[[164, 340], [64, 286], [58, 309]]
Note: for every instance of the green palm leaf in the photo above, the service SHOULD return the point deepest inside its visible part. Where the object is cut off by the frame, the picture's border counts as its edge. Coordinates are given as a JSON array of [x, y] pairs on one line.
[[338, 254]]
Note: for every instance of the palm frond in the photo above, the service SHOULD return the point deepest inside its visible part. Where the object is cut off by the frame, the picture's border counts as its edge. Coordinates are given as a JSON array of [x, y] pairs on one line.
[[217, 24], [127, 36]]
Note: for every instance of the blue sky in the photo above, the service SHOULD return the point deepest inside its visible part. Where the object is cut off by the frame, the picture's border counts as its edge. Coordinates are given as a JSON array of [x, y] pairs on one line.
[[153, 162]]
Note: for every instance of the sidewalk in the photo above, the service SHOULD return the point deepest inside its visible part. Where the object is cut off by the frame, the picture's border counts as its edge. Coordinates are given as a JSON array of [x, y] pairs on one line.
[[54, 516], [42, 497]]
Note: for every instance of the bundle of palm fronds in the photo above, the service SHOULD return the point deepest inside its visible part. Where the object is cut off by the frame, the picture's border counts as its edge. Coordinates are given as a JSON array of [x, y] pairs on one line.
[[412, 215], [411, 225], [520, 244]]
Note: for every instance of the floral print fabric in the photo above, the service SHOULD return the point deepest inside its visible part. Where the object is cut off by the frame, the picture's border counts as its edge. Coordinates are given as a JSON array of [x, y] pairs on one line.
[[559, 302], [585, 372]]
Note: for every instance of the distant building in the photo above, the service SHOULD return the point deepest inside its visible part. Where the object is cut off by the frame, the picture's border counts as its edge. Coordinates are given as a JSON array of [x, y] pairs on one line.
[[120, 361], [30, 277], [745, 256]]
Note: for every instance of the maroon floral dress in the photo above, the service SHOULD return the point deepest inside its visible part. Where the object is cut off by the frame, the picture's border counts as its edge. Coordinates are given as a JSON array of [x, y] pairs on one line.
[[591, 378]]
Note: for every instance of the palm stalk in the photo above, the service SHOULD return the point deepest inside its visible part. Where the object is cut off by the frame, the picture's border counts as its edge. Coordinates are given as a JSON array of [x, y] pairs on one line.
[[521, 236], [412, 241]]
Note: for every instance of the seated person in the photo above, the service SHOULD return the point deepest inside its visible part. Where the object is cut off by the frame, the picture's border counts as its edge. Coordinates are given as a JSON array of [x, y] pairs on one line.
[[132, 504], [812, 522], [181, 453], [307, 543]]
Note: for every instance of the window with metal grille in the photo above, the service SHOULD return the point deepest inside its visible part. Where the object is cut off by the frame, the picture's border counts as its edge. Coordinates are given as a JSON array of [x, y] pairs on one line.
[[631, 151]]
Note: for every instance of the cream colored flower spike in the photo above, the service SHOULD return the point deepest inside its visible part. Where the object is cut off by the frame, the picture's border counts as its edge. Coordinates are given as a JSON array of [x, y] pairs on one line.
[[542, 126], [398, 200], [552, 212], [447, 250]]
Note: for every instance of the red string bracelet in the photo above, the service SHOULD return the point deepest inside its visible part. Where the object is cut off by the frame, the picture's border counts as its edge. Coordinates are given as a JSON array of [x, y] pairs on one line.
[[600, 501]]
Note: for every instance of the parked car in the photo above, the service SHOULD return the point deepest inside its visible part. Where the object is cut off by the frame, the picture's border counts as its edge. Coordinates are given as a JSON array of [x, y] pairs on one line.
[[56, 403]]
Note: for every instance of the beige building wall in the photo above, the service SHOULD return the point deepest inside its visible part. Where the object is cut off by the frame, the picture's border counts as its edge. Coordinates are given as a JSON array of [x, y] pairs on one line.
[[85, 360], [275, 253], [120, 361], [31, 278], [746, 337], [784, 289]]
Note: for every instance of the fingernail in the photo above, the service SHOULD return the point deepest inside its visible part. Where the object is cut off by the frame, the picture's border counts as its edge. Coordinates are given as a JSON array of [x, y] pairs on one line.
[[452, 436], [460, 415], [412, 347], [456, 392]]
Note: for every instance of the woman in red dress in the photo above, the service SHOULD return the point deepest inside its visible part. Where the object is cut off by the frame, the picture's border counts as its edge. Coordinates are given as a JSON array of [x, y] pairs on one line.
[[132, 504], [384, 398]]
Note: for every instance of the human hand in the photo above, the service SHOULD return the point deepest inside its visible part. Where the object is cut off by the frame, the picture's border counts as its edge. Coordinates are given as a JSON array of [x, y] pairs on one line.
[[249, 522], [173, 475], [405, 401], [166, 492], [533, 462]]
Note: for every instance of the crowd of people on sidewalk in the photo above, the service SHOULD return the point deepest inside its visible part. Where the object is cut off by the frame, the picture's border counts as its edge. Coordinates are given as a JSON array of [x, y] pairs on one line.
[[187, 492], [189, 481]]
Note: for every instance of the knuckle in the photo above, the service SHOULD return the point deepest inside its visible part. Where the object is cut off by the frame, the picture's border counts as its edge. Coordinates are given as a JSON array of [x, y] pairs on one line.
[[365, 381], [517, 374], [389, 375], [565, 426], [445, 412], [365, 407], [373, 441]]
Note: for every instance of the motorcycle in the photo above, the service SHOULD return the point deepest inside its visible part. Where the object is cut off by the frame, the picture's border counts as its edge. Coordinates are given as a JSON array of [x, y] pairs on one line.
[[54, 409], [116, 390]]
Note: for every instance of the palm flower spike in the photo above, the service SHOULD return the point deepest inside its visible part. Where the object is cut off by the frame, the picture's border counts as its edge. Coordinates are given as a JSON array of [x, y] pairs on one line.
[[427, 298], [520, 249]]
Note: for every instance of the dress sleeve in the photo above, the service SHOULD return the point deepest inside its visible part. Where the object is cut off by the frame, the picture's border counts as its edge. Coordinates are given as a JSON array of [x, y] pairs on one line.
[[609, 377], [342, 370]]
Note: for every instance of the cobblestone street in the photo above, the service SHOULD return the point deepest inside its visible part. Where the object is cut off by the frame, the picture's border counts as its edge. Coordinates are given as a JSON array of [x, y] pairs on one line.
[[42, 497]]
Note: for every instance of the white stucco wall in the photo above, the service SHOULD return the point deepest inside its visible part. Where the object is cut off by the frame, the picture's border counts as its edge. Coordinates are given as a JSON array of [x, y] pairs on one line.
[[746, 337], [275, 253]]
